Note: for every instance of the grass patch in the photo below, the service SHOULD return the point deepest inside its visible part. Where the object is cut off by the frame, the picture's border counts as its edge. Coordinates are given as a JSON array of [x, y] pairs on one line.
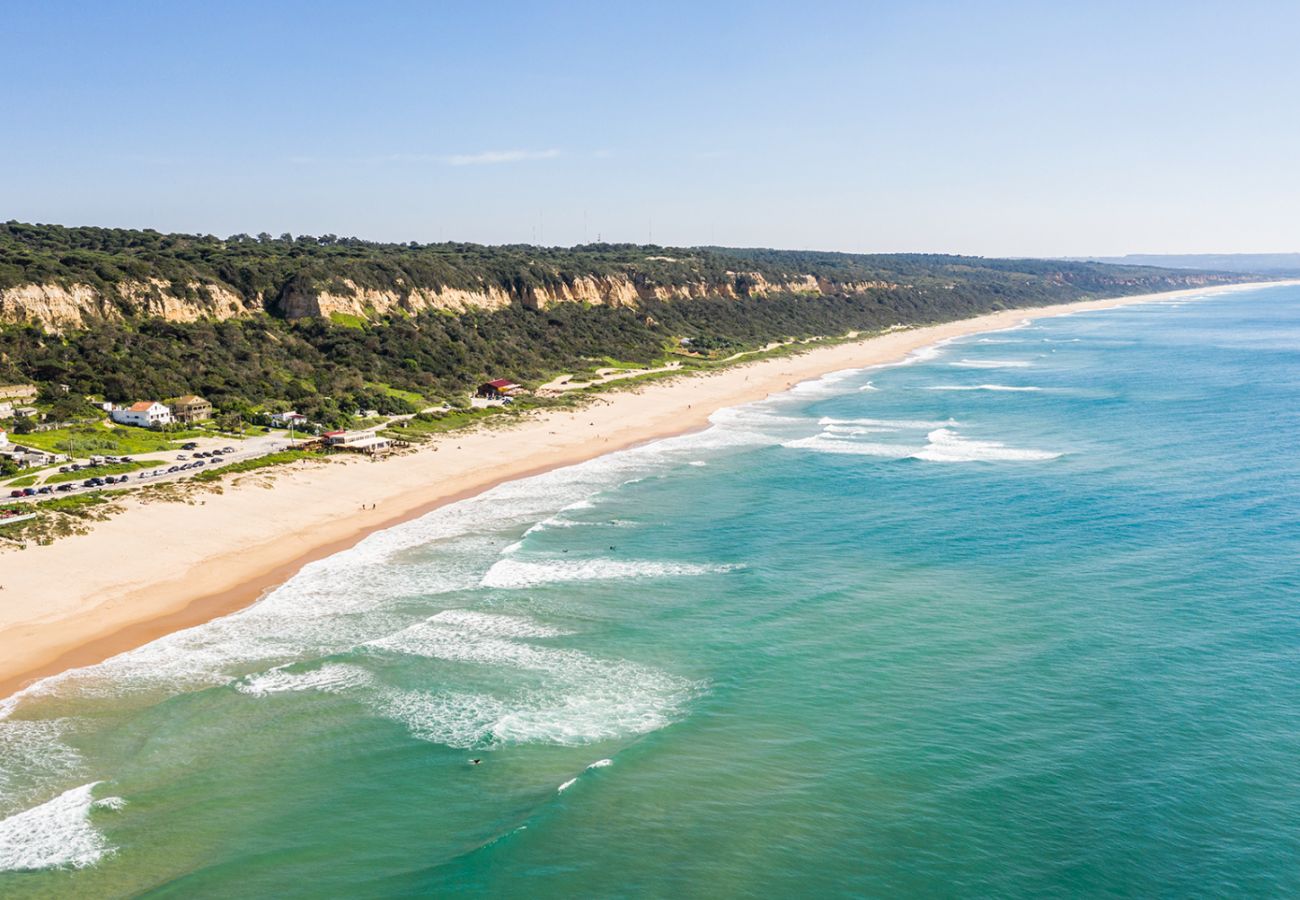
[[24, 481], [347, 320], [411, 397], [251, 465], [77, 504], [89, 440]]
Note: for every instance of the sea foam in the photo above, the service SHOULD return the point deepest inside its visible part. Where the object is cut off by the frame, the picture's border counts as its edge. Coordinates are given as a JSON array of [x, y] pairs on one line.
[[515, 573], [982, 387], [824, 443], [946, 445], [56, 833], [990, 364]]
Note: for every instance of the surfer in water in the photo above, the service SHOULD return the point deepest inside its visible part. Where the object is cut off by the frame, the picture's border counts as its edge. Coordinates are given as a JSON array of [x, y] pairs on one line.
[[475, 762]]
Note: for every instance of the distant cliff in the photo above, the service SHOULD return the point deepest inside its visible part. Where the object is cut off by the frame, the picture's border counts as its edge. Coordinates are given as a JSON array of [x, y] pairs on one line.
[[62, 279]]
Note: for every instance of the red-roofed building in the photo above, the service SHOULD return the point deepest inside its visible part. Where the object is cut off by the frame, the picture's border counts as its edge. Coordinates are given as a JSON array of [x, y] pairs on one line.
[[501, 387]]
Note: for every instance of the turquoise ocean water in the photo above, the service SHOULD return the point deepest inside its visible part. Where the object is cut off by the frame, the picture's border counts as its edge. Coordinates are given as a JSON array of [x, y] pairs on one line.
[[1019, 618]]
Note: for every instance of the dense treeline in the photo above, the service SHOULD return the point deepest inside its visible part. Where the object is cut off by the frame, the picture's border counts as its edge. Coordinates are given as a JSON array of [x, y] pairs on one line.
[[328, 370], [263, 269]]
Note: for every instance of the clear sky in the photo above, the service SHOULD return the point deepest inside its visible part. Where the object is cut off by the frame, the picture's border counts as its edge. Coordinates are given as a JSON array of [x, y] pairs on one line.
[[1043, 128]]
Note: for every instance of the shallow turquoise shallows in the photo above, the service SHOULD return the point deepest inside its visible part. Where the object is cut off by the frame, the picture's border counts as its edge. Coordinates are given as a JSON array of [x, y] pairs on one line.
[[1018, 618]]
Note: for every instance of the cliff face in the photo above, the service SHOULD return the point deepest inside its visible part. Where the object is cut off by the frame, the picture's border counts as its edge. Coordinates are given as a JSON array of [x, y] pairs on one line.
[[58, 308]]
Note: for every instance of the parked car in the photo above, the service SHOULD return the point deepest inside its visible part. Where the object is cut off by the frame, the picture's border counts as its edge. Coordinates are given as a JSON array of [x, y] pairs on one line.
[[75, 467], [45, 490], [182, 456], [17, 493], [227, 449], [63, 470], [29, 492], [190, 446], [89, 482], [201, 462], [66, 486], [173, 469]]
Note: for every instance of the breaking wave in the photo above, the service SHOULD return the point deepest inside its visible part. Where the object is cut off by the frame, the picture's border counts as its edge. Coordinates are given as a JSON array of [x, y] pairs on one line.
[[513, 573], [57, 833], [981, 387], [946, 445], [990, 364]]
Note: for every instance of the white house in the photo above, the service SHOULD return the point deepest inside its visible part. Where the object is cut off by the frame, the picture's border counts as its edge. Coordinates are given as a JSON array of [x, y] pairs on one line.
[[145, 414], [4, 437], [287, 419]]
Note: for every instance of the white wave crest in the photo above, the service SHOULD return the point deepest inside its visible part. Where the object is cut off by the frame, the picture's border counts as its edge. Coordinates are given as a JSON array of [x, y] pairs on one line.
[[330, 678], [991, 364], [56, 833], [982, 387], [914, 424], [823, 443], [513, 573], [946, 445]]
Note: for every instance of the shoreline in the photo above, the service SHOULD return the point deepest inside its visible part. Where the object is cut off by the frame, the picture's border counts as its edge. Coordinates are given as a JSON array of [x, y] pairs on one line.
[[88, 597]]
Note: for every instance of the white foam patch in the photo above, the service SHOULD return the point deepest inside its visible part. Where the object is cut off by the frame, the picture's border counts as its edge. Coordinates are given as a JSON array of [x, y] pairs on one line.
[[983, 387], [33, 754], [991, 364], [57, 833], [897, 424], [494, 624], [585, 700], [868, 387], [546, 694], [513, 573], [568, 784], [332, 678], [823, 443], [851, 430], [946, 445], [601, 763], [697, 463]]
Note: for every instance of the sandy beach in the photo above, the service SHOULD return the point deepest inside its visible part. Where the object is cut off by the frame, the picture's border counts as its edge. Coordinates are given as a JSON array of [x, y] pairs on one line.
[[161, 567]]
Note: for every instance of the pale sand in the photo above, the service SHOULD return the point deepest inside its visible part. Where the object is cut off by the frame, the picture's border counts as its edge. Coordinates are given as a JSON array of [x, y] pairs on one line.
[[161, 567]]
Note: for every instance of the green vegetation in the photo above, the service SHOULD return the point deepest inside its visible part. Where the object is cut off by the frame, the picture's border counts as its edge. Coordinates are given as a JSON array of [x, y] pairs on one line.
[[348, 321], [251, 465], [409, 397], [100, 439], [328, 369]]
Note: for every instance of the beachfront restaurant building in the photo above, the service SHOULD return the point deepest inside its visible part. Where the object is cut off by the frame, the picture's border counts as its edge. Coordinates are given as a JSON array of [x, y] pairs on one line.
[[356, 441], [496, 390]]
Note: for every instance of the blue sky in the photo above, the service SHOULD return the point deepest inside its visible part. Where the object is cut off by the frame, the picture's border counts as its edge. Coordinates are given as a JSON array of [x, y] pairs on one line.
[[989, 128]]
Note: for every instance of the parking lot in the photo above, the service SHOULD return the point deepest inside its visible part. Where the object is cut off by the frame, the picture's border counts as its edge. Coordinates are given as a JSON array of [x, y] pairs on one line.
[[172, 465]]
